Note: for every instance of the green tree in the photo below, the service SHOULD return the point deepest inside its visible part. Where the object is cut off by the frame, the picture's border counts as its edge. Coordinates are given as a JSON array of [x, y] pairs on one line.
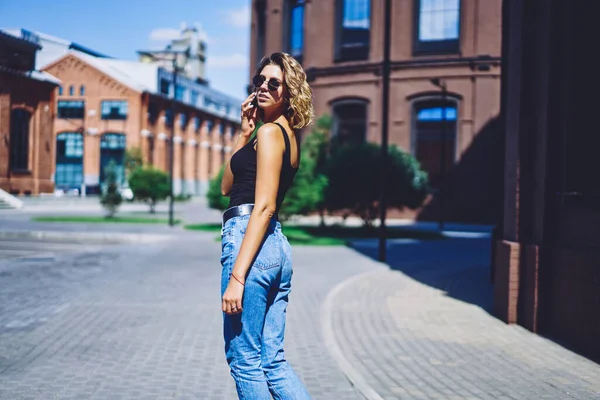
[[307, 193], [133, 159], [354, 172], [111, 198], [215, 199], [150, 185]]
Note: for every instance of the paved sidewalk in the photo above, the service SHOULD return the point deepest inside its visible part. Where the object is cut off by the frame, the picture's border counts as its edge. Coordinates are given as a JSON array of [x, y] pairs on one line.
[[422, 331], [143, 321]]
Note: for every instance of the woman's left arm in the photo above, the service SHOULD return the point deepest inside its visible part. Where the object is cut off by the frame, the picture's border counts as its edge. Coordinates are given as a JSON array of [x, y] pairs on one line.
[[270, 148]]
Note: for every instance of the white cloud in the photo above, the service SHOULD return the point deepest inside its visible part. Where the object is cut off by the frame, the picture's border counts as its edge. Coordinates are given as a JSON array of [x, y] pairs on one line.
[[230, 61], [238, 17], [164, 34]]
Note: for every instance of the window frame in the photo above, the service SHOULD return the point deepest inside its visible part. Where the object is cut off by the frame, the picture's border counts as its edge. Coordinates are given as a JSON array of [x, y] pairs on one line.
[[19, 142], [69, 165], [62, 115], [110, 117], [350, 55], [444, 46], [260, 9], [349, 101], [288, 31], [432, 101]]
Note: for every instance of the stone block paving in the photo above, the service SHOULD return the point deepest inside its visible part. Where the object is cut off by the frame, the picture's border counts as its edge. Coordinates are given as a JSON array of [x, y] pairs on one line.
[[143, 321], [422, 331]]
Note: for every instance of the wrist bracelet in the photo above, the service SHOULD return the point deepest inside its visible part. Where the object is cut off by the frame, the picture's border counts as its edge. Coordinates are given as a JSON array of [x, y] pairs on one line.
[[235, 277]]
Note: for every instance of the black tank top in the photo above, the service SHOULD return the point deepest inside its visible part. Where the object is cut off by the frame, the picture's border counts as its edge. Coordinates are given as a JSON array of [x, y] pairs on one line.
[[243, 166]]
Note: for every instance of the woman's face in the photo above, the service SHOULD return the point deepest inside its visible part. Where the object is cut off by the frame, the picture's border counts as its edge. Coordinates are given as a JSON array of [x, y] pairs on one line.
[[268, 96]]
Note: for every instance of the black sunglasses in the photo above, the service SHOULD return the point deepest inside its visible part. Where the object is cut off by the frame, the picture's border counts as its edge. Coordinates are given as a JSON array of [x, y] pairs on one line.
[[273, 84]]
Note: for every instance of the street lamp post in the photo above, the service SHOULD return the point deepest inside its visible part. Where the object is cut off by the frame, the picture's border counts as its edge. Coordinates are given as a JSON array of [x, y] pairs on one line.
[[442, 86], [385, 93], [179, 60]]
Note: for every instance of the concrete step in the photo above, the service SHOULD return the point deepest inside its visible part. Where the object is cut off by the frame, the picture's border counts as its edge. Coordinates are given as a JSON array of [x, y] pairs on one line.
[[8, 201]]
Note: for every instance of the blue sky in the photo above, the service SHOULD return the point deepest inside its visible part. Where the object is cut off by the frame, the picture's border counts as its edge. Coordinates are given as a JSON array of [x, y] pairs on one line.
[[119, 28]]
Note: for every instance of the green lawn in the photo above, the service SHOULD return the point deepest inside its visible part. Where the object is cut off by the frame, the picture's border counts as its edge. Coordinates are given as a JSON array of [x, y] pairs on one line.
[[101, 220], [333, 235]]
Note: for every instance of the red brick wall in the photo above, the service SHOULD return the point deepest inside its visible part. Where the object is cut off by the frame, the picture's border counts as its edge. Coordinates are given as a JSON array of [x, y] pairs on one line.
[[506, 281], [475, 190], [36, 97]]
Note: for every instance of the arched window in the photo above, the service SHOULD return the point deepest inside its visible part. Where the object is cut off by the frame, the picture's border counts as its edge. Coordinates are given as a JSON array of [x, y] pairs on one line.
[[434, 137], [19, 139], [349, 120], [69, 160]]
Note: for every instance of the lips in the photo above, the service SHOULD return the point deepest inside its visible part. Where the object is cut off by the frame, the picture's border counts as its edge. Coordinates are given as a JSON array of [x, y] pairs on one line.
[[263, 97]]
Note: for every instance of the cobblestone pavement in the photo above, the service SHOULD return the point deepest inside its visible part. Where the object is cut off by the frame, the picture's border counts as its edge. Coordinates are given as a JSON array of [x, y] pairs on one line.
[[144, 322], [421, 331]]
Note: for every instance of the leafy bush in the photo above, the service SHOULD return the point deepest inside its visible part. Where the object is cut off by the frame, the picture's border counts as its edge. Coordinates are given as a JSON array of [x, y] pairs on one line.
[[354, 174], [111, 199], [133, 159], [307, 193], [149, 185], [215, 199]]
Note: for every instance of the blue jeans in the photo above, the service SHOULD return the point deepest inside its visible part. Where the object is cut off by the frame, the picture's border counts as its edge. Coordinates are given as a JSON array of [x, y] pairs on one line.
[[254, 338]]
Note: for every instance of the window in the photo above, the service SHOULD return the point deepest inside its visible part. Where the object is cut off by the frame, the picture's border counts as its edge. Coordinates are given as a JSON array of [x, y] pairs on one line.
[[182, 120], [73, 109], [71, 90], [60, 90], [82, 90], [434, 138], [114, 109], [209, 126], [19, 140], [112, 148], [152, 113], [179, 91], [69, 160], [169, 117], [165, 85], [221, 128], [437, 26], [197, 123], [350, 121], [194, 97], [353, 19], [295, 29], [261, 27]]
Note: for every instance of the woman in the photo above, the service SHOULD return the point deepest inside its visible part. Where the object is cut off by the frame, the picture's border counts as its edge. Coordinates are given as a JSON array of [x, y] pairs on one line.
[[256, 256]]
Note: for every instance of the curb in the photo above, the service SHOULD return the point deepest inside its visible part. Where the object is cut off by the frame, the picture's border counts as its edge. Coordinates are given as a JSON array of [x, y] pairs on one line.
[[355, 378], [96, 237]]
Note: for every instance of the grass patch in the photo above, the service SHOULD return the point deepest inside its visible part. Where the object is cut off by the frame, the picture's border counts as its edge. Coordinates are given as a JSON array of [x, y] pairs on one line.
[[333, 235], [102, 220]]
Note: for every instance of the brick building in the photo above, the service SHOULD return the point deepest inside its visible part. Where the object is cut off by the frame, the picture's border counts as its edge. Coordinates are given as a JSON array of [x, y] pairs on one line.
[[547, 262], [105, 106], [340, 44], [26, 109]]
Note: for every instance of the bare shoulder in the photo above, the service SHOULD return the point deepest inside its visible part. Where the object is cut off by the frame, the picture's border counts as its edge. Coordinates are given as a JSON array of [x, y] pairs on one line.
[[269, 134]]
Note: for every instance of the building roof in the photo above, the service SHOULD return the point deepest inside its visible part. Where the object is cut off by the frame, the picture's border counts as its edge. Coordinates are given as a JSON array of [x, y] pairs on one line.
[[51, 47], [30, 41], [145, 77], [139, 76]]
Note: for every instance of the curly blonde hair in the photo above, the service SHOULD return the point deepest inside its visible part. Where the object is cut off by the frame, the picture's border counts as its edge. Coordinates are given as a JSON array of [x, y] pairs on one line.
[[298, 94]]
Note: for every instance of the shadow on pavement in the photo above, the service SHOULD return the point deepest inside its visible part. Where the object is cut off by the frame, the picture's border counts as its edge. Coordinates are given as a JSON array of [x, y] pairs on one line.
[[458, 266]]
